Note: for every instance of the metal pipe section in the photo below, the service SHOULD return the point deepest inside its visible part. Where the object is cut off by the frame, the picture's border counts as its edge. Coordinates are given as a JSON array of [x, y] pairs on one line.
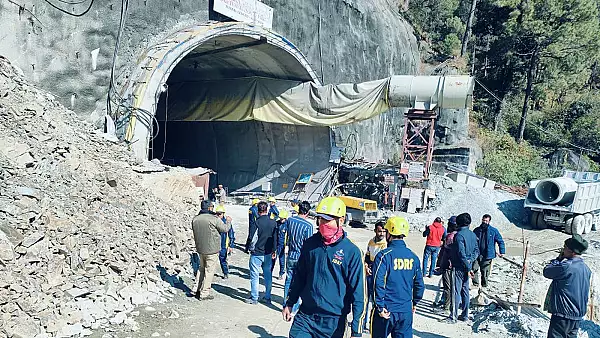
[[559, 190], [430, 92]]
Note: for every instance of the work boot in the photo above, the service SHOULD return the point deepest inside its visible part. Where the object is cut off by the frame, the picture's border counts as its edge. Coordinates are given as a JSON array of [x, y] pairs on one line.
[[226, 276], [466, 321], [266, 301], [209, 297], [251, 301]]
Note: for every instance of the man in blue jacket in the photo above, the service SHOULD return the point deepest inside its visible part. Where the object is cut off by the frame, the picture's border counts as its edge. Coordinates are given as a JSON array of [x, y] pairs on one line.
[[227, 241], [488, 237], [463, 252], [398, 284], [253, 213], [568, 295], [329, 278]]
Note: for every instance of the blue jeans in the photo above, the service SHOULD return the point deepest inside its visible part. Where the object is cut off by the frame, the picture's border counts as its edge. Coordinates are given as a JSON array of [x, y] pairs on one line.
[[398, 326], [223, 260], [460, 296], [432, 251], [290, 267], [281, 258], [256, 262]]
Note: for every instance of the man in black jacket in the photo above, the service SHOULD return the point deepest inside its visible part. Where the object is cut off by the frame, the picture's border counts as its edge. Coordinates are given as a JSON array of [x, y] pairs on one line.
[[568, 296], [261, 243]]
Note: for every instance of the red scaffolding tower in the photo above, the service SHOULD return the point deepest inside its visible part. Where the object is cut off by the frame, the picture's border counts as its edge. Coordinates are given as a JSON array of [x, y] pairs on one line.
[[418, 138]]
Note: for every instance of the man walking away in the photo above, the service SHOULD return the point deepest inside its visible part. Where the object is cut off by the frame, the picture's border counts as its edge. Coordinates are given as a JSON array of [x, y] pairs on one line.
[[207, 229], [463, 252], [273, 211], [253, 213], [376, 244], [488, 237], [435, 234], [227, 241], [568, 295], [299, 229], [281, 238], [399, 284], [446, 266], [261, 243], [329, 278]]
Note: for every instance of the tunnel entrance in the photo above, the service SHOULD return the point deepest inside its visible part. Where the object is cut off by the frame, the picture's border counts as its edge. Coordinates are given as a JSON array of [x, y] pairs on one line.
[[244, 154]]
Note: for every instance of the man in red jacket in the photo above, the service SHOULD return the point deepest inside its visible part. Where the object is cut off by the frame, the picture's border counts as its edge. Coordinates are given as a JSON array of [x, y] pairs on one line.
[[435, 234]]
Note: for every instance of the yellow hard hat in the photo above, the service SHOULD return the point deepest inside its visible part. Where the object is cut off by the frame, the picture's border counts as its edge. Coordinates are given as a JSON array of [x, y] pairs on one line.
[[220, 209], [330, 207], [397, 226], [284, 214], [255, 201], [272, 199]]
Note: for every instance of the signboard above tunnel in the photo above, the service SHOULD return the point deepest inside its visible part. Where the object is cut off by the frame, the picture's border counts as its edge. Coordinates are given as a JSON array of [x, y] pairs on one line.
[[249, 11]]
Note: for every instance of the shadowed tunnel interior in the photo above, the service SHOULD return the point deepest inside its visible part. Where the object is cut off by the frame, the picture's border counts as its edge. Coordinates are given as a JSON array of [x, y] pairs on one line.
[[240, 152]]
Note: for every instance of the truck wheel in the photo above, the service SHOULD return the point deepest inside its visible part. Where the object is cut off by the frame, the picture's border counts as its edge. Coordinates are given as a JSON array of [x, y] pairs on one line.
[[578, 225], [533, 219], [541, 224], [569, 225], [589, 219]]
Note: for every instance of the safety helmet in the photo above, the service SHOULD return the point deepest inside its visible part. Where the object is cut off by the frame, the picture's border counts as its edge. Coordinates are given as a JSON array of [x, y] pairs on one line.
[[331, 207], [255, 201], [397, 226], [220, 209], [272, 199], [284, 214]]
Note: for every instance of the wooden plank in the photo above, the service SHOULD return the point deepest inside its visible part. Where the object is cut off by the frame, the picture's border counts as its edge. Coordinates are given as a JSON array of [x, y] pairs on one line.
[[523, 275]]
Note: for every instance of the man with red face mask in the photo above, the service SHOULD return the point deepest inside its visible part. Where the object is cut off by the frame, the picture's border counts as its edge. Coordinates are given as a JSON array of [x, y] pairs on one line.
[[329, 278]]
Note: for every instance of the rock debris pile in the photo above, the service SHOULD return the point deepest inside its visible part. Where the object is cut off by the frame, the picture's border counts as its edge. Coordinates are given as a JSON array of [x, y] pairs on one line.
[[81, 241]]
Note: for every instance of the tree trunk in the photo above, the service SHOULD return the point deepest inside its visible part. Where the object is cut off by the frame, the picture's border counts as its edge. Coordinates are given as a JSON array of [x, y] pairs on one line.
[[530, 77], [467, 35]]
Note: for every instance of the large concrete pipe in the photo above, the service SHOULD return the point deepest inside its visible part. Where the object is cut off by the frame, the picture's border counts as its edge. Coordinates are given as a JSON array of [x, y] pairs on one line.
[[430, 92], [559, 190]]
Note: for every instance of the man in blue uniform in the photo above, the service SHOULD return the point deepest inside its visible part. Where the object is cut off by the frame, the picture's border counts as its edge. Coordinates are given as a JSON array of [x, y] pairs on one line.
[[281, 238], [253, 213], [273, 211], [329, 278], [227, 241], [398, 284]]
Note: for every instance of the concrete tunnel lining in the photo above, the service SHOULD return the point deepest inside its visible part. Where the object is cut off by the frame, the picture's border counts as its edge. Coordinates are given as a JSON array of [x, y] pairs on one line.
[[143, 89], [255, 151]]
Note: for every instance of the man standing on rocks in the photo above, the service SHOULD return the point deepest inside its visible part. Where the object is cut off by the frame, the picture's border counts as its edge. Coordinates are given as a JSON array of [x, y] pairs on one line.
[[435, 234], [488, 237], [207, 229], [463, 252], [261, 243], [299, 229], [399, 284], [329, 278], [568, 295]]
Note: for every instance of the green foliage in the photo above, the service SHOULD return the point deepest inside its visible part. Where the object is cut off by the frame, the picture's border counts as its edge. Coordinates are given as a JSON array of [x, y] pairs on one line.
[[510, 163], [439, 22]]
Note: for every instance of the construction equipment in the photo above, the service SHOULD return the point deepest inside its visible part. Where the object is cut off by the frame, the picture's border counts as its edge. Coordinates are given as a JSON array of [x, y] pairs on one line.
[[360, 210], [571, 201]]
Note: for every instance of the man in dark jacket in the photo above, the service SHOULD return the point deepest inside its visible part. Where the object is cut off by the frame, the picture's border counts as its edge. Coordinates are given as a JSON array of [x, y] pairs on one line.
[[568, 295], [488, 237], [207, 229], [329, 278], [261, 243], [398, 284], [463, 252], [446, 267], [253, 213]]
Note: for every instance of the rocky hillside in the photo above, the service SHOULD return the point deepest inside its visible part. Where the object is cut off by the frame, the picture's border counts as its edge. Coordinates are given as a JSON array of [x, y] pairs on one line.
[[81, 241]]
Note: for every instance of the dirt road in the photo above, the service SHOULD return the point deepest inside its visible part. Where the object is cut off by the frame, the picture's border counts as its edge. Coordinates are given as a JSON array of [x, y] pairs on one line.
[[228, 316]]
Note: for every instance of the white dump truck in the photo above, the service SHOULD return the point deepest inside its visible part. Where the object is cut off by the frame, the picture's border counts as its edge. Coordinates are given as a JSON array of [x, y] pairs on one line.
[[571, 201]]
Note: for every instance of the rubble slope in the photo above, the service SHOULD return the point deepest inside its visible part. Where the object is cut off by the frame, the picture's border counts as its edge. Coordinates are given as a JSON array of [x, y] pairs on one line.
[[81, 240]]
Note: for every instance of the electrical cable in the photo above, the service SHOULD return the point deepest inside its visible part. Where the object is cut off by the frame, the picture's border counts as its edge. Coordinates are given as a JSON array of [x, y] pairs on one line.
[[166, 121], [69, 13]]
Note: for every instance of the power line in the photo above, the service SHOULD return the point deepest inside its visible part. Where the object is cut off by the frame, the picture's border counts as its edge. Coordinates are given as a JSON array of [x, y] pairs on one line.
[[559, 138], [69, 13]]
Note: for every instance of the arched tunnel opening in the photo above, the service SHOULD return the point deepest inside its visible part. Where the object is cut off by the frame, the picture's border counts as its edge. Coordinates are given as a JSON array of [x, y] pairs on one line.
[[199, 122]]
